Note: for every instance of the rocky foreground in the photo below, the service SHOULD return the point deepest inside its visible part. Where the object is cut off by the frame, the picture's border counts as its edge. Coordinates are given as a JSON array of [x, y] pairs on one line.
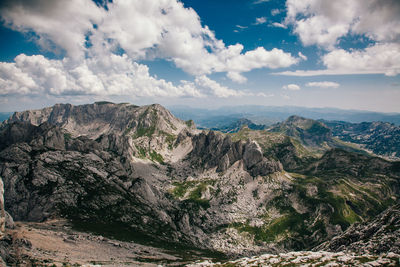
[[309, 258], [55, 243]]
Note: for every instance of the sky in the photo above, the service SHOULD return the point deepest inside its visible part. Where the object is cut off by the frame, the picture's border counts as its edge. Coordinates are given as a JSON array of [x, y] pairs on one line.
[[208, 53]]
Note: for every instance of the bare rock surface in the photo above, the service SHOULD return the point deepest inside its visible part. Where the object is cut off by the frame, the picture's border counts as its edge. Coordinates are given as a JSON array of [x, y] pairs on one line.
[[309, 258], [381, 235]]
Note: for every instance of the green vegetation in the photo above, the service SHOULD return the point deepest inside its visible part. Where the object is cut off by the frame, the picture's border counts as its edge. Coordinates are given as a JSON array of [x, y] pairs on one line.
[[154, 156], [342, 213], [342, 201], [169, 139], [189, 123], [103, 102], [142, 152], [67, 136], [143, 130], [195, 190]]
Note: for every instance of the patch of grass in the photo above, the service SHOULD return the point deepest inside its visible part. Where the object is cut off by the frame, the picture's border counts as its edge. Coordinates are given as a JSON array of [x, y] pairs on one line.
[[189, 123], [148, 131], [169, 139], [290, 222], [343, 210], [67, 136], [195, 189], [141, 152], [197, 192], [154, 156], [144, 131]]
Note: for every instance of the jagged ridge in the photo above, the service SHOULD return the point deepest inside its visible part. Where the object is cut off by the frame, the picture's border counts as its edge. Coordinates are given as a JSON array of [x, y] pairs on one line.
[[175, 184]]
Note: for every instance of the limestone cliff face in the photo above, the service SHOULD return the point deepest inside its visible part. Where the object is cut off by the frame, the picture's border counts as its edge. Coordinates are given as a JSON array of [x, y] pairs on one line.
[[215, 150], [93, 120]]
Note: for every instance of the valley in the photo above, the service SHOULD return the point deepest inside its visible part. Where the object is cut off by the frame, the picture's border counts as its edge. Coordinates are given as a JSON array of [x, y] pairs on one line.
[[159, 182]]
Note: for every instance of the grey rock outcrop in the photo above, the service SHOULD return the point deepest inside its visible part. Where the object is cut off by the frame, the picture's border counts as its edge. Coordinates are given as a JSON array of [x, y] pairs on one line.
[[381, 235], [214, 150]]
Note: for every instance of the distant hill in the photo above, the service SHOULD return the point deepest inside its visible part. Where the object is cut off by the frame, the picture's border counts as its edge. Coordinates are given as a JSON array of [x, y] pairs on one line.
[[314, 135], [382, 138], [238, 124], [307, 131], [269, 115]]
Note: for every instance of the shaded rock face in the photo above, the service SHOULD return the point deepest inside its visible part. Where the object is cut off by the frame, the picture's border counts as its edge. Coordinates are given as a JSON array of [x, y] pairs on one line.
[[78, 179], [44, 135], [381, 235], [287, 154], [214, 150]]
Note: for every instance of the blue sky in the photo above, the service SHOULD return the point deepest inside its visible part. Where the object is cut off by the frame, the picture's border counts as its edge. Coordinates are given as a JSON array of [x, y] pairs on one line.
[[209, 53]]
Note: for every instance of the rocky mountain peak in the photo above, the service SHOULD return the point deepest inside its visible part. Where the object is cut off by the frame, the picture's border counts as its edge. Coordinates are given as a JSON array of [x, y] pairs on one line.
[[93, 120], [309, 132]]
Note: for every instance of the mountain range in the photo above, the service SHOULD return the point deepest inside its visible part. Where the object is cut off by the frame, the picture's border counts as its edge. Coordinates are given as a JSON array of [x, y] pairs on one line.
[[142, 171], [268, 115]]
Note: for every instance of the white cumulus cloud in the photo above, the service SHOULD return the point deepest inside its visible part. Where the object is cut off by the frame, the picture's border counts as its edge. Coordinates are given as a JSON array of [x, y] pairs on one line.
[[291, 87], [141, 30], [278, 25], [324, 22], [303, 57], [323, 84], [215, 88], [113, 75], [275, 11], [62, 23], [236, 77], [376, 59], [260, 20]]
